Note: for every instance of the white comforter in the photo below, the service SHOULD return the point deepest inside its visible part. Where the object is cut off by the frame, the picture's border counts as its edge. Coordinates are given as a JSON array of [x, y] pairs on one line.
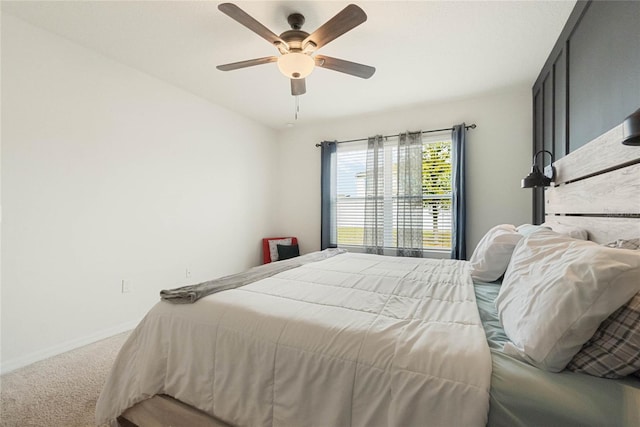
[[355, 340]]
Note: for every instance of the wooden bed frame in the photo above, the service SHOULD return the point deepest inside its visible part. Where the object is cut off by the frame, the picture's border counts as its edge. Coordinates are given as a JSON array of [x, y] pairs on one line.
[[597, 188], [164, 411]]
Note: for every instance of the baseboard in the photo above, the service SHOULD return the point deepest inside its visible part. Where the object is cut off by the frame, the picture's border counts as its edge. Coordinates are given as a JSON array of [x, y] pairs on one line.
[[36, 356]]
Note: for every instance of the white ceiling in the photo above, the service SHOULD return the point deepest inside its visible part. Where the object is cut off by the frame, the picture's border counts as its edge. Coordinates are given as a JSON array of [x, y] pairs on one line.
[[424, 51]]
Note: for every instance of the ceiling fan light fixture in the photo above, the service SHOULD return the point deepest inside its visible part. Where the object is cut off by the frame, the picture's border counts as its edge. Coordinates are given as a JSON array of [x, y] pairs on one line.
[[296, 65]]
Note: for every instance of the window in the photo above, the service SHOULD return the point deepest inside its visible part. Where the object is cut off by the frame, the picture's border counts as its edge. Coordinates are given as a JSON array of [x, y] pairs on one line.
[[436, 192]]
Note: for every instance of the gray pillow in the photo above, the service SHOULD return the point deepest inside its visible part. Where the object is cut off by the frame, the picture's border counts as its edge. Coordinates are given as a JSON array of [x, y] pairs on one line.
[[633, 244], [288, 251], [614, 350]]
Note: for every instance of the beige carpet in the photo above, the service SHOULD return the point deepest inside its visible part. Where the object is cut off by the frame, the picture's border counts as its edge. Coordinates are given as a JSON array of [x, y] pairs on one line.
[[60, 391]]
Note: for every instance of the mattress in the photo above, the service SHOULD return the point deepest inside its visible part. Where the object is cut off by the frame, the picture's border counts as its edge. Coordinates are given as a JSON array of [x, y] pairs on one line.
[[354, 340], [523, 395]]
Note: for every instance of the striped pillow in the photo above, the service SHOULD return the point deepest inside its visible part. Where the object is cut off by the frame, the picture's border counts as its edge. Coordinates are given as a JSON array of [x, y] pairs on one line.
[[633, 244], [614, 350]]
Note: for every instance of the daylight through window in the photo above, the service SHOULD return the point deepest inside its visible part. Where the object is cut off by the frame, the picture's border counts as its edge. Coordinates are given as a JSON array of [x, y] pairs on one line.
[[436, 192]]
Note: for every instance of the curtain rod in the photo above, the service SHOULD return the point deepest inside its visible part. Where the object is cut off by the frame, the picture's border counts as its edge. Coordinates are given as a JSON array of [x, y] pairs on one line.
[[471, 126]]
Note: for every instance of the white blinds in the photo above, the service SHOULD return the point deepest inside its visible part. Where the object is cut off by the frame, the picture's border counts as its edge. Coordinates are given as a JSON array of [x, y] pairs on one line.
[[436, 193], [350, 185]]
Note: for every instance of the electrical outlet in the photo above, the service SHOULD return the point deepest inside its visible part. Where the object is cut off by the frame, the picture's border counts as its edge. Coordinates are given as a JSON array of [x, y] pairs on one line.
[[126, 286], [187, 273]]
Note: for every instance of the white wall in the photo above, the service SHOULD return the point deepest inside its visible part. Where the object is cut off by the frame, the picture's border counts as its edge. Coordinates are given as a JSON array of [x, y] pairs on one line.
[[499, 152], [110, 174]]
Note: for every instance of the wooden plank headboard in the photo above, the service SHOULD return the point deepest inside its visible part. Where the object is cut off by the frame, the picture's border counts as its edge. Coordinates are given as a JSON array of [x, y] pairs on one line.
[[597, 187]]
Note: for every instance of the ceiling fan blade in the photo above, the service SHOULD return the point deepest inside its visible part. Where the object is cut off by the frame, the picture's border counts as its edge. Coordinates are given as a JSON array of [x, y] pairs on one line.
[[248, 63], [347, 19], [347, 67], [298, 87], [243, 17]]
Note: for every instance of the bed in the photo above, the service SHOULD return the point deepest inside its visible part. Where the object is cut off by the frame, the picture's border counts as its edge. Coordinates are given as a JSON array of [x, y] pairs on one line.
[[356, 339]]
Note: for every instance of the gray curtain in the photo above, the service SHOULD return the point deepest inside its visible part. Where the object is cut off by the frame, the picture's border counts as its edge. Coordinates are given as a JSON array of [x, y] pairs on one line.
[[409, 205], [458, 239], [373, 238], [328, 163]]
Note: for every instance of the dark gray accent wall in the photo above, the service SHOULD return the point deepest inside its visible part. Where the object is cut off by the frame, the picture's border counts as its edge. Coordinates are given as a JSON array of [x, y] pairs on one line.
[[560, 103], [590, 82], [605, 69]]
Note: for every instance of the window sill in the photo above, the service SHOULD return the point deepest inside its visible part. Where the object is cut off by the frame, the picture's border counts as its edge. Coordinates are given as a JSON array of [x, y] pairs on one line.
[[426, 253]]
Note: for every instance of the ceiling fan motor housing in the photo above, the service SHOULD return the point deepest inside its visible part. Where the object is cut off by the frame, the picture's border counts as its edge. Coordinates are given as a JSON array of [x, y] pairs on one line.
[[294, 39]]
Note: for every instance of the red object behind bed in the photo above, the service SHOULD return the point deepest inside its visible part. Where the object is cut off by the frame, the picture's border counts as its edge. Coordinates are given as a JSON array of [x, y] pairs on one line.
[[266, 254]]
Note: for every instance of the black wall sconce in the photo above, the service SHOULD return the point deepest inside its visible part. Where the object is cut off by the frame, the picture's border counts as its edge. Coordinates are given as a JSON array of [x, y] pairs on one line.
[[536, 178], [631, 129]]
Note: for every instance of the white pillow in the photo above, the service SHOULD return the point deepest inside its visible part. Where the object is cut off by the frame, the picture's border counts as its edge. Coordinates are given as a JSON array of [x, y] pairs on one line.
[[568, 230], [273, 247], [491, 257], [556, 292], [528, 229]]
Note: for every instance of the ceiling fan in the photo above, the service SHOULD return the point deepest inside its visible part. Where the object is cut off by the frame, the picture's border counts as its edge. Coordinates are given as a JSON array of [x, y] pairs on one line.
[[296, 46]]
